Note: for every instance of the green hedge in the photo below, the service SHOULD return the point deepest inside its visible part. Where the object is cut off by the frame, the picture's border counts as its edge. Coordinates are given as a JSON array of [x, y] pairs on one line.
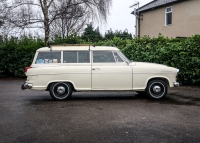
[[183, 54], [16, 54]]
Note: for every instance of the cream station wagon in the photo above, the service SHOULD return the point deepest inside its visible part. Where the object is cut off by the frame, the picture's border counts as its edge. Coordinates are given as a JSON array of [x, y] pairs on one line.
[[62, 70]]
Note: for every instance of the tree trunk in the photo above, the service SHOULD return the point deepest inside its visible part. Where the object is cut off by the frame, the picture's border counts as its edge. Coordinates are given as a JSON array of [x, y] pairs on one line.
[[46, 21], [47, 31]]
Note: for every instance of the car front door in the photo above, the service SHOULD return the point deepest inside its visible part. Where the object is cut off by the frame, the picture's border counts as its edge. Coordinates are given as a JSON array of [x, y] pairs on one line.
[[110, 72]]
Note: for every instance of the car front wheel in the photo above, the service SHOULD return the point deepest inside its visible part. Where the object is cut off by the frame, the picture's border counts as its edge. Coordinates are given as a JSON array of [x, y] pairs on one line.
[[156, 89], [60, 91]]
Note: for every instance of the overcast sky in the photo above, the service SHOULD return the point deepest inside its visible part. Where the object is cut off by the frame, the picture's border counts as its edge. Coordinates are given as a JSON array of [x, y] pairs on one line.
[[120, 17]]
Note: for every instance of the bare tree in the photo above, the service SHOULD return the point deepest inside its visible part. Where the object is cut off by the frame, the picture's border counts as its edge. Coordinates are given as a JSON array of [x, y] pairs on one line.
[[71, 20], [42, 13], [2, 11]]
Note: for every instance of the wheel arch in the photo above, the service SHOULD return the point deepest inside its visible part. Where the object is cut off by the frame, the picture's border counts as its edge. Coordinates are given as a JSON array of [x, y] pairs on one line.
[[166, 80], [50, 83]]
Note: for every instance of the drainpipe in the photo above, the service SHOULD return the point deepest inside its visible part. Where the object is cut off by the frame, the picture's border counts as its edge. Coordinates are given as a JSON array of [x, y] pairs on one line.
[[137, 19], [136, 23]]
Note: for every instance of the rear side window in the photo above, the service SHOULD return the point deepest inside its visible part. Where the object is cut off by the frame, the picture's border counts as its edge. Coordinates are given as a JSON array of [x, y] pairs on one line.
[[70, 57], [48, 57], [76, 57]]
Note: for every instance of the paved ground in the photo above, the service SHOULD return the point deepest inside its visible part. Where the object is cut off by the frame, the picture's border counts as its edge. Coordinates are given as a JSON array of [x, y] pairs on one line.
[[124, 117]]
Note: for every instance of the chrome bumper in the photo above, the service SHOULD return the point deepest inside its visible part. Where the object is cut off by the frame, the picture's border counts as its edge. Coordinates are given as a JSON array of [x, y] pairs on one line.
[[176, 84], [26, 86]]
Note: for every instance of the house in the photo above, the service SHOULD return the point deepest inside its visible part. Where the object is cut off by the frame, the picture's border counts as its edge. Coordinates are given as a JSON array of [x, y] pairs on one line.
[[171, 18]]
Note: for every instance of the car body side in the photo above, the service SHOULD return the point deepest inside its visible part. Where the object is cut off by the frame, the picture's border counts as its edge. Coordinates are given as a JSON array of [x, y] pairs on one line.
[[98, 76]]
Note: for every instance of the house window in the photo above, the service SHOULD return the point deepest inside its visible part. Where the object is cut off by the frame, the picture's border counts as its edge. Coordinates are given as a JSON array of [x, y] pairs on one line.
[[168, 15]]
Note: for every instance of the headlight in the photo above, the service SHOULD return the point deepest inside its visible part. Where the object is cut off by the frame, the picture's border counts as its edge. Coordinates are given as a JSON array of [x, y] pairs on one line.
[[177, 70]]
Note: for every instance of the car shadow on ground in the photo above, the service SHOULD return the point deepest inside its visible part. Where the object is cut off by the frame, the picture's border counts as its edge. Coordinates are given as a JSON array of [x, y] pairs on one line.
[[172, 99]]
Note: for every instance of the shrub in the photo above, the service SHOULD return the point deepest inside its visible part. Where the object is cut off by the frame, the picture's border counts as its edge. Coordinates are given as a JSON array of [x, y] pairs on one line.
[[16, 54], [183, 54]]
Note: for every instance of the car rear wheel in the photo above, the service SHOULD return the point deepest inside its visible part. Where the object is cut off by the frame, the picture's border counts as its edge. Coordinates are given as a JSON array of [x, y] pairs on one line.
[[60, 91], [156, 89]]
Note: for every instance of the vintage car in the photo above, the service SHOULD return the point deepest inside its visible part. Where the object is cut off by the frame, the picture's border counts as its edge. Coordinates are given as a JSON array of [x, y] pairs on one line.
[[62, 70]]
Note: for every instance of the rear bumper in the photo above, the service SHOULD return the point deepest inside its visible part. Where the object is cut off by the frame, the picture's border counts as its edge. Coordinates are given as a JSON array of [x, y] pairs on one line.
[[176, 84], [26, 86]]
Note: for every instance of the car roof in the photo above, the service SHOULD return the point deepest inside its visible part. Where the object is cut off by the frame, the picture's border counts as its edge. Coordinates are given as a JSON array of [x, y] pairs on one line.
[[79, 48]]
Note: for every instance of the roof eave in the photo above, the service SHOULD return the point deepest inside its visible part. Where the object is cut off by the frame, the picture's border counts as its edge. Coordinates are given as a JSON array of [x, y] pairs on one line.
[[156, 6]]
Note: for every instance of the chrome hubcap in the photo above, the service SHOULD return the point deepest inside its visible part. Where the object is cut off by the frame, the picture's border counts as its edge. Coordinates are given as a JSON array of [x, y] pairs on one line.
[[60, 90], [156, 89]]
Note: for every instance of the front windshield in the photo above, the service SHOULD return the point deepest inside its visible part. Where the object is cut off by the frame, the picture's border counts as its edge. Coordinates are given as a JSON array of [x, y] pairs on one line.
[[124, 57]]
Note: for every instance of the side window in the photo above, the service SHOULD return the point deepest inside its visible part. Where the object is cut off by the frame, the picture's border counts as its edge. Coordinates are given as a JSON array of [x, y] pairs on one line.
[[103, 57], [83, 57], [70, 57], [48, 57], [117, 57], [76, 57]]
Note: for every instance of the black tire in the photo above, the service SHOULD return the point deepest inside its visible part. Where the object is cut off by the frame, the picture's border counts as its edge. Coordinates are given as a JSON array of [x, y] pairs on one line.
[[60, 91], [156, 89]]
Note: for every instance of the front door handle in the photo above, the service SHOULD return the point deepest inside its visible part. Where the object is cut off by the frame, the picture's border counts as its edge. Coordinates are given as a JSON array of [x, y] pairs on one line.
[[95, 69]]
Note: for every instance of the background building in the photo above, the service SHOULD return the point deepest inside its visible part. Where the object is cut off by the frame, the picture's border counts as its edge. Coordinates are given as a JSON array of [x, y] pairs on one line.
[[171, 18]]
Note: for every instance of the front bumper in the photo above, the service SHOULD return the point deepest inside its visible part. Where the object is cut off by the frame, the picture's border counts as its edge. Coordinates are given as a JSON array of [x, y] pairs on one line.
[[176, 84], [26, 86]]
